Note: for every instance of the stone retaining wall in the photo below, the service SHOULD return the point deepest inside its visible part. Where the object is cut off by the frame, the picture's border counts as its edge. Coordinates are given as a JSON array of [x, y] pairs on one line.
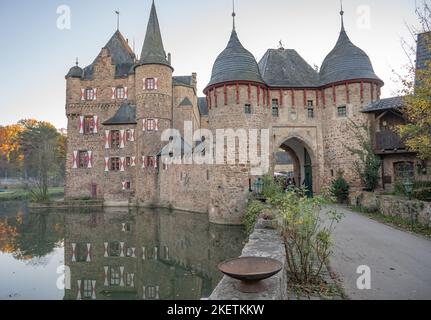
[[394, 206], [262, 243]]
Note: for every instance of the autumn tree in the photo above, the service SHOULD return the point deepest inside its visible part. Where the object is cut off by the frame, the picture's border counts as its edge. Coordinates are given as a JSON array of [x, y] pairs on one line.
[[43, 156], [417, 90], [10, 153]]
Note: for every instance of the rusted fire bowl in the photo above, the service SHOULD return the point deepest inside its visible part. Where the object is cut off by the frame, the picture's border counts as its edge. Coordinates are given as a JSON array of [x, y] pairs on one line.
[[251, 271]]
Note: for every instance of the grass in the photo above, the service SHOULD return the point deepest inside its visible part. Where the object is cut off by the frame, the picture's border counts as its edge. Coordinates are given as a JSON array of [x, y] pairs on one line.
[[22, 194], [396, 222]]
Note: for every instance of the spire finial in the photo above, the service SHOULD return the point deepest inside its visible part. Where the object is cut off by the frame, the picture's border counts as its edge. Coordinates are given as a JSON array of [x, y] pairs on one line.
[[233, 13], [77, 61], [118, 19], [342, 15]]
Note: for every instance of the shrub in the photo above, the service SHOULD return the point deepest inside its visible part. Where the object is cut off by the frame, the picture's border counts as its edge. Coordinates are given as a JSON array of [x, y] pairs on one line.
[[423, 194], [270, 187], [252, 213], [340, 189], [308, 237]]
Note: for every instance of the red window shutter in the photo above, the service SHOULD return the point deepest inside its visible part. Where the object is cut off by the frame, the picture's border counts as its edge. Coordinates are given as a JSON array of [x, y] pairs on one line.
[[143, 162], [156, 83], [133, 163], [90, 159], [156, 124], [124, 185], [81, 124], [122, 163], [75, 160], [113, 93], [82, 94], [106, 164], [126, 93], [88, 252], [95, 94], [155, 162], [107, 139], [96, 124], [122, 136]]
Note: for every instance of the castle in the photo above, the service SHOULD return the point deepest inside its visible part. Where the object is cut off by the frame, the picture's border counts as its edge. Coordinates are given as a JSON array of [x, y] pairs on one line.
[[119, 106]]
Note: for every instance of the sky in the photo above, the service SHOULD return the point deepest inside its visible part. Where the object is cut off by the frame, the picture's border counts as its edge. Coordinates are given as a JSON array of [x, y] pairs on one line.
[[36, 54]]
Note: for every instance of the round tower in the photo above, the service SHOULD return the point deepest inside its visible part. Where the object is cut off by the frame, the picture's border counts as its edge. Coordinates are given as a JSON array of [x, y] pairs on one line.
[[238, 103], [349, 83], [153, 74]]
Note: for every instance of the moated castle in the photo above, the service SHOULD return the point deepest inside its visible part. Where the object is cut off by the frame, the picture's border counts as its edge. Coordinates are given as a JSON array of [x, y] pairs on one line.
[[118, 107]]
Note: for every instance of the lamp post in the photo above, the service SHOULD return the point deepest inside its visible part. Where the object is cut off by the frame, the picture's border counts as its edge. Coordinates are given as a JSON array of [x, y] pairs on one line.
[[408, 187], [258, 186]]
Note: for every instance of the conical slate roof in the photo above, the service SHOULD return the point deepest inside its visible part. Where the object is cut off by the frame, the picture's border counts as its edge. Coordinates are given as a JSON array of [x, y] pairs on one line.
[[74, 72], [346, 62], [153, 51], [235, 63]]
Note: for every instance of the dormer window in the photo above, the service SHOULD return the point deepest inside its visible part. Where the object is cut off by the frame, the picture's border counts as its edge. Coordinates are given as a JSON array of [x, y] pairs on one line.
[[89, 94], [150, 84], [120, 93]]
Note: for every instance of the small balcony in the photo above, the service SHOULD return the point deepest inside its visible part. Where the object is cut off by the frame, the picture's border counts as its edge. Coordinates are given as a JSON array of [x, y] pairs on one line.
[[388, 141]]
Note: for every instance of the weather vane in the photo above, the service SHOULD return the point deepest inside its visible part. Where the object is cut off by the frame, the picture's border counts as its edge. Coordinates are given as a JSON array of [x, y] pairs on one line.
[[118, 19]]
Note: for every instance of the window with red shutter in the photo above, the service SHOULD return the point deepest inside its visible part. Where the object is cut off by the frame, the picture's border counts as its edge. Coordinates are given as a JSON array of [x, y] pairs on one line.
[[120, 92], [89, 125], [151, 125], [83, 159], [89, 94], [115, 164], [150, 84], [115, 139]]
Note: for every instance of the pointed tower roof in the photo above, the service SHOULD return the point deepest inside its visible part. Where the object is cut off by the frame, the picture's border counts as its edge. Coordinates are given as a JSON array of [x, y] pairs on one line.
[[235, 63], [346, 61], [153, 51]]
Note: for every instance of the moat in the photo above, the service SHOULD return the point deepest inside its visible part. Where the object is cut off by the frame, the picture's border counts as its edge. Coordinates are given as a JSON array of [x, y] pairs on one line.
[[111, 254]]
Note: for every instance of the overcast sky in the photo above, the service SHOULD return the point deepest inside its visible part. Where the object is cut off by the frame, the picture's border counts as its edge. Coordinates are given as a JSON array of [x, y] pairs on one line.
[[36, 54]]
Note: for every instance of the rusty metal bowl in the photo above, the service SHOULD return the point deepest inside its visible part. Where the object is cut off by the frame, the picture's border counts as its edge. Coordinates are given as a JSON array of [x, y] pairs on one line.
[[251, 271]]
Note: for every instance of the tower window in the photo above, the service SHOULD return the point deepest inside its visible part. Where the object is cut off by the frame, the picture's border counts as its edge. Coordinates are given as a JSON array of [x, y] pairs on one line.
[[151, 125], [247, 109], [342, 112], [89, 94], [310, 103], [275, 108], [150, 84], [310, 113], [83, 159], [115, 138], [120, 93], [89, 125], [115, 164]]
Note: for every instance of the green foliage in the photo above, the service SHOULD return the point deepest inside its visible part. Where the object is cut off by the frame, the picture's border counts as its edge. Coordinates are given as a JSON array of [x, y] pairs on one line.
[[340, 189], [271, 187], [368, 164], [423, 194], [308, 237], [252, 213]]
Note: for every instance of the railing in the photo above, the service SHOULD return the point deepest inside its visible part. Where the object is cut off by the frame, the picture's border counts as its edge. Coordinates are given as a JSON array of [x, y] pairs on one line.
[[388, 141]]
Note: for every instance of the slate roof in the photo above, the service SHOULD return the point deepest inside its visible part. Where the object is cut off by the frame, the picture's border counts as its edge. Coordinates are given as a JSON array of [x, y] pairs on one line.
[[121, 54], [74, 72], [153, 51], [179, 146], [346, 62], [182, 80], [235, 63], [186, 102], [385, 104], [203, 106], [286, 68], [126, 114]]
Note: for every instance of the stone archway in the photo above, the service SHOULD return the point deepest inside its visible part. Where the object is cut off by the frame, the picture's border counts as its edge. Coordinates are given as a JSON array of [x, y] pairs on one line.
[[304, 162]]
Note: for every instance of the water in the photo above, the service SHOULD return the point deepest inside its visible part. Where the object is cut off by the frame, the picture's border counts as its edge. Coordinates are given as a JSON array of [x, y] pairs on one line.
[[111, 254]]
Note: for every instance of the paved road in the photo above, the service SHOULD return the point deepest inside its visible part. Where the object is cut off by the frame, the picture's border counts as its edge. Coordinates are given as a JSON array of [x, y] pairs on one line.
[[400, 262]]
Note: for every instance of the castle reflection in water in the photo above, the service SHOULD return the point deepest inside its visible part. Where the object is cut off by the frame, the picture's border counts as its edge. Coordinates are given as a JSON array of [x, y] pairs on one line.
[[145, 254]]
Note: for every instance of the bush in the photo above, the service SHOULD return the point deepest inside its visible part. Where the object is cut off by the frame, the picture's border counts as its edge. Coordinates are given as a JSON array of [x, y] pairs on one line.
[[252, 213], [423, 194], [340, 189], [308, 237], [270, 187]]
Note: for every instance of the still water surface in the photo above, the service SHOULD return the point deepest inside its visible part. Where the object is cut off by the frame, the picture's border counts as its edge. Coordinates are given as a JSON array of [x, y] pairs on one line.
[[116, 253]]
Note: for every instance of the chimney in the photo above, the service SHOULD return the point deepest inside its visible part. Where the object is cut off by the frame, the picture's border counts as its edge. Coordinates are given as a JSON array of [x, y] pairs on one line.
[[423, 52], [169, 59]]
